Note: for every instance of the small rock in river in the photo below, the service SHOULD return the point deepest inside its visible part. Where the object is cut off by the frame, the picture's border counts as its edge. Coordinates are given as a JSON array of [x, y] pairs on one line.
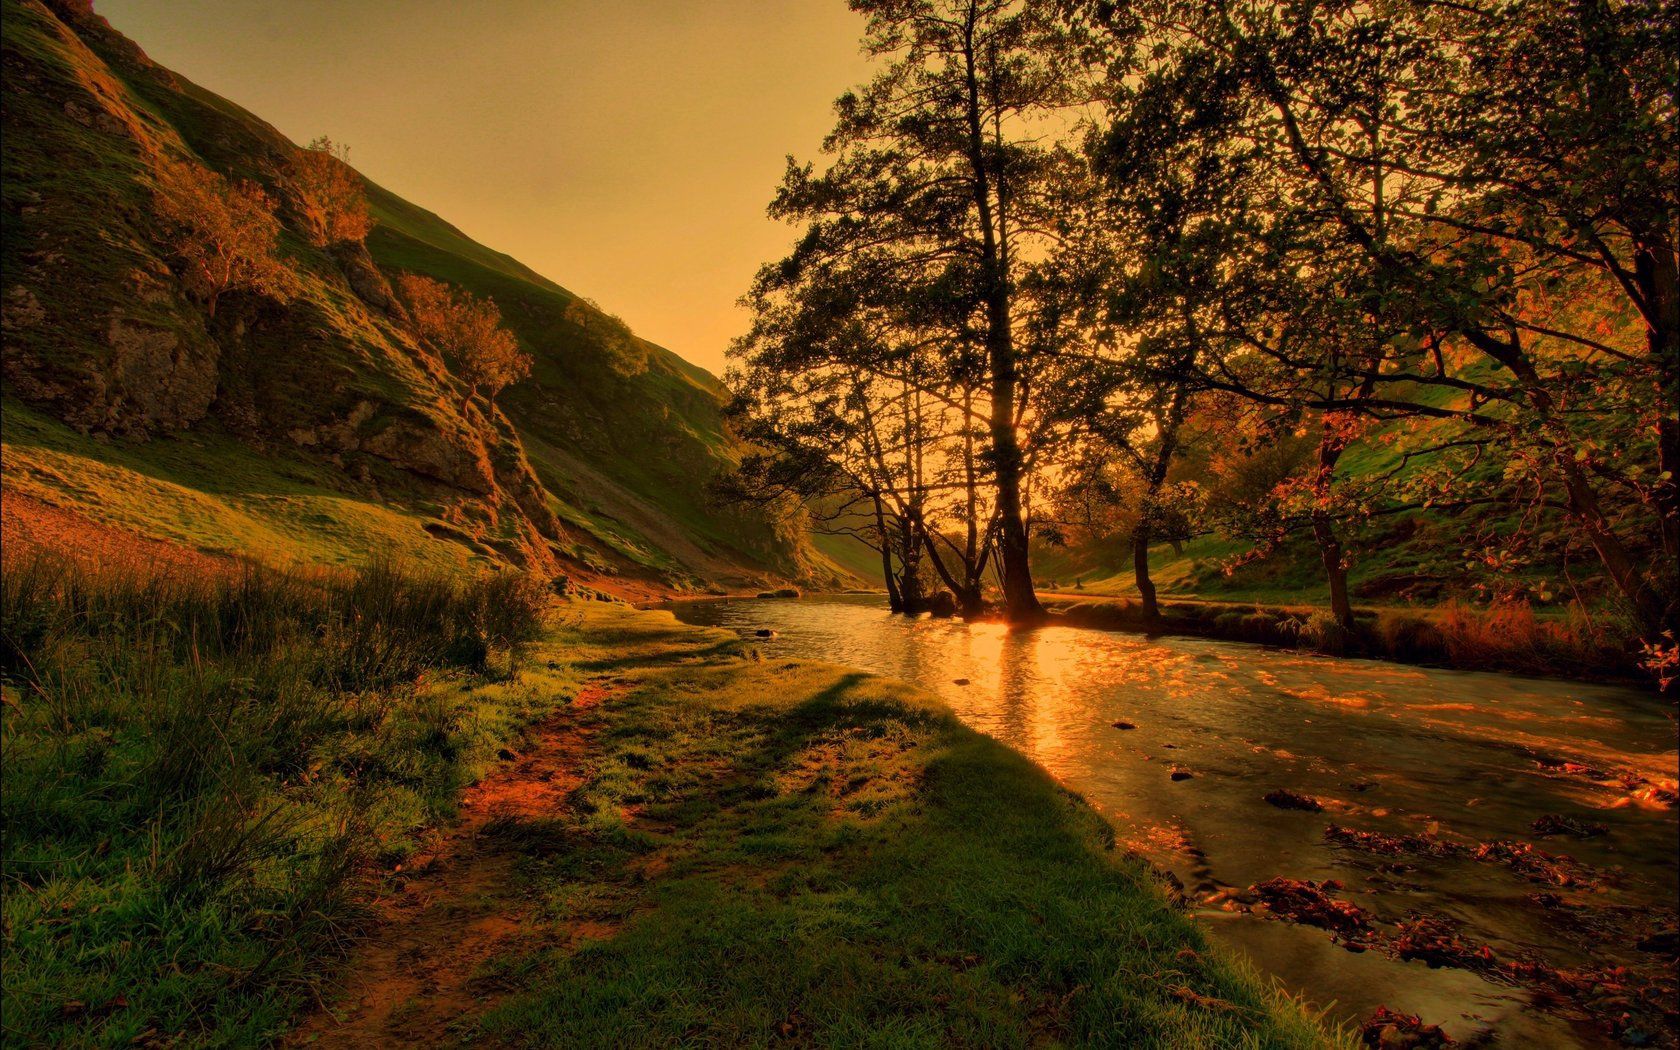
[[1182, 774], [1284, 799], [959, 681], [1663, 942], [765, 632], [1558, 824], [1392, 1030], [1124, 725], [1363, 785]]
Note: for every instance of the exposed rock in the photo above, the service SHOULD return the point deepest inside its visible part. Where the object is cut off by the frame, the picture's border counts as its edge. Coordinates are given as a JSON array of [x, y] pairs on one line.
[[154, 378], [1559, 824], [1392, 1030], [366, 279], [428, 451], [1285, 799]]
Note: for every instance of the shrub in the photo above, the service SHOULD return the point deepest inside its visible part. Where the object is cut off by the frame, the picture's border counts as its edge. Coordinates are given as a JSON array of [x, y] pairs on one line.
[[1323, 633], [330, 202]]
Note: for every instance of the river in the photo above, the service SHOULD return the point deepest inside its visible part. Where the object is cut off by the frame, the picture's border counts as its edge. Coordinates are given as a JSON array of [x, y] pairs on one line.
[[1449, 769]]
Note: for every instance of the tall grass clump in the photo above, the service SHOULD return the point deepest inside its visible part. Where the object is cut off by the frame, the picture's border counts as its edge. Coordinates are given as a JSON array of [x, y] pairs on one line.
[[196, 769], [1508, 636]]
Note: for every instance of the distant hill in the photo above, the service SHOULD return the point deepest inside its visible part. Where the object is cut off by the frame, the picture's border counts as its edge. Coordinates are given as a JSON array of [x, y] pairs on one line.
[[319, 429]]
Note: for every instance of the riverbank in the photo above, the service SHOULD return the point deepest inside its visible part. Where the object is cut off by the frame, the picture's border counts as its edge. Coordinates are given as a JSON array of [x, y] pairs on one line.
[[667, 840], [1462, 821], [778, 850], [1506, 639]]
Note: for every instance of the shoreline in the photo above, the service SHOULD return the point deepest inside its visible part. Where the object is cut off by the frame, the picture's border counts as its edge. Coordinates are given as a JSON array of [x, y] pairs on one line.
[[1117, 615]]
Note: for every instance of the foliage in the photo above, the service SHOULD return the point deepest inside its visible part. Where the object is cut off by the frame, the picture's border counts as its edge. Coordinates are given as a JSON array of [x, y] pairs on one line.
[[623, 352], [937, 187], [331, 204], [468, 331], [198, 767], [222, 233], [1379, 228]]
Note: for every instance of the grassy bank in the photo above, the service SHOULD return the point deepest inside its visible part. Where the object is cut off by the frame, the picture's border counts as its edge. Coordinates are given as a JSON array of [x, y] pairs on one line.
[[198, 770], [207, 783], [766, 851], [1509, 638]]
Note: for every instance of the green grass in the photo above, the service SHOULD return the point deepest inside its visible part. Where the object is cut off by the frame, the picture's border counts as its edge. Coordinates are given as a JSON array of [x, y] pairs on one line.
[[212, 492], [198, 770], [795, 852]]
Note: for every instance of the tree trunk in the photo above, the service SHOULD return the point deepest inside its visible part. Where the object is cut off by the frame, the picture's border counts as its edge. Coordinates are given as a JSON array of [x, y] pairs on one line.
[[1015, 570], [1019, 599], [910, 580], [1655, 269], [895, 601], [1653, 613], [1166, 446], [1324, 527], [1140, 568], [1335, 569]]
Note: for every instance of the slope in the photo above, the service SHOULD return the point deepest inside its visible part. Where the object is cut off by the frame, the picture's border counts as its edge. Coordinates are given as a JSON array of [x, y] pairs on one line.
[[271, 424]]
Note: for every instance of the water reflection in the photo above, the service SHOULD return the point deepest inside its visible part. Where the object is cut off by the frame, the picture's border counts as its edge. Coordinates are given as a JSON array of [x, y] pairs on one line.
[[1383, 747]]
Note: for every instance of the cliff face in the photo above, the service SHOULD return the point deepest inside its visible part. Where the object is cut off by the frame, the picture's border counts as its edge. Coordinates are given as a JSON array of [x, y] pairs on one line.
[[598, 459]]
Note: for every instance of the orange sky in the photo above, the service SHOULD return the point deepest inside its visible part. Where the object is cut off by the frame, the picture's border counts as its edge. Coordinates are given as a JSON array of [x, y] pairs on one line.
[[624, 148]]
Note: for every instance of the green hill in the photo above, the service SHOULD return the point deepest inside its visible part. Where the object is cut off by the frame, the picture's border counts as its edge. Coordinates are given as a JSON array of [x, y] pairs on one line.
[[319, 429]]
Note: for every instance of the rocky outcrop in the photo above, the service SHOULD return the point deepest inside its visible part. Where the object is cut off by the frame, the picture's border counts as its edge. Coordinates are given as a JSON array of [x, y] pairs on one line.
[[426, 450]]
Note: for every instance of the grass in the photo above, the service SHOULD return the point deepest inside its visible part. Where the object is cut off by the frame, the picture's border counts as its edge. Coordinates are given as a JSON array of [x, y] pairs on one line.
[[212, 492], [768, 852], [1506, 636], [198, 769], [203, 777]]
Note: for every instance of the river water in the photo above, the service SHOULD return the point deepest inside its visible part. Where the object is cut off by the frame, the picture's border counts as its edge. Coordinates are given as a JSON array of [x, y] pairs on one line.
[[1455, 760]]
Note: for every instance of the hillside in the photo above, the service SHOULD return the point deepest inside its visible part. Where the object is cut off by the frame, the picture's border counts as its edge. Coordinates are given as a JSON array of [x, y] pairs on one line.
[[319, 428]]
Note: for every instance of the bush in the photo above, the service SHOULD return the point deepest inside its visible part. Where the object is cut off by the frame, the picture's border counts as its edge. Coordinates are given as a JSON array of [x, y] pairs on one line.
[[1323, 633], [196, 768], [1509, 636], [1411, 639]]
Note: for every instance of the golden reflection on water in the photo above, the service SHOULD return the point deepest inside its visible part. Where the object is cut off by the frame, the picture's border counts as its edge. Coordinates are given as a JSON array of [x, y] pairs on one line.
[[1400, 750]]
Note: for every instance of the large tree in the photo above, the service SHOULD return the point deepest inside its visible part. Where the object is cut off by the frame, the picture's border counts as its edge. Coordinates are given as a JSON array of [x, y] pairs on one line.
[[1493, 191], [942, 161]]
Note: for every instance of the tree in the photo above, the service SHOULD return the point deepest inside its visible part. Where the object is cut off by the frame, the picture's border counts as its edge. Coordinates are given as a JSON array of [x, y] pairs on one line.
[[615, 343], [1483, 197], [832, 384], [223, 233], [468, 332], [332, 206], [940, 162], [1498, 184]]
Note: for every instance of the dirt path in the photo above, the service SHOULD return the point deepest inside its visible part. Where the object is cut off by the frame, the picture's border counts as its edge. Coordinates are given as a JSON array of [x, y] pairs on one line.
[[418, 974]]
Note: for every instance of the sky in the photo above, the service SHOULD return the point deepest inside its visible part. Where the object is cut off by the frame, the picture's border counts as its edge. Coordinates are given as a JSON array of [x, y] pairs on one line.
[[623, 148]]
